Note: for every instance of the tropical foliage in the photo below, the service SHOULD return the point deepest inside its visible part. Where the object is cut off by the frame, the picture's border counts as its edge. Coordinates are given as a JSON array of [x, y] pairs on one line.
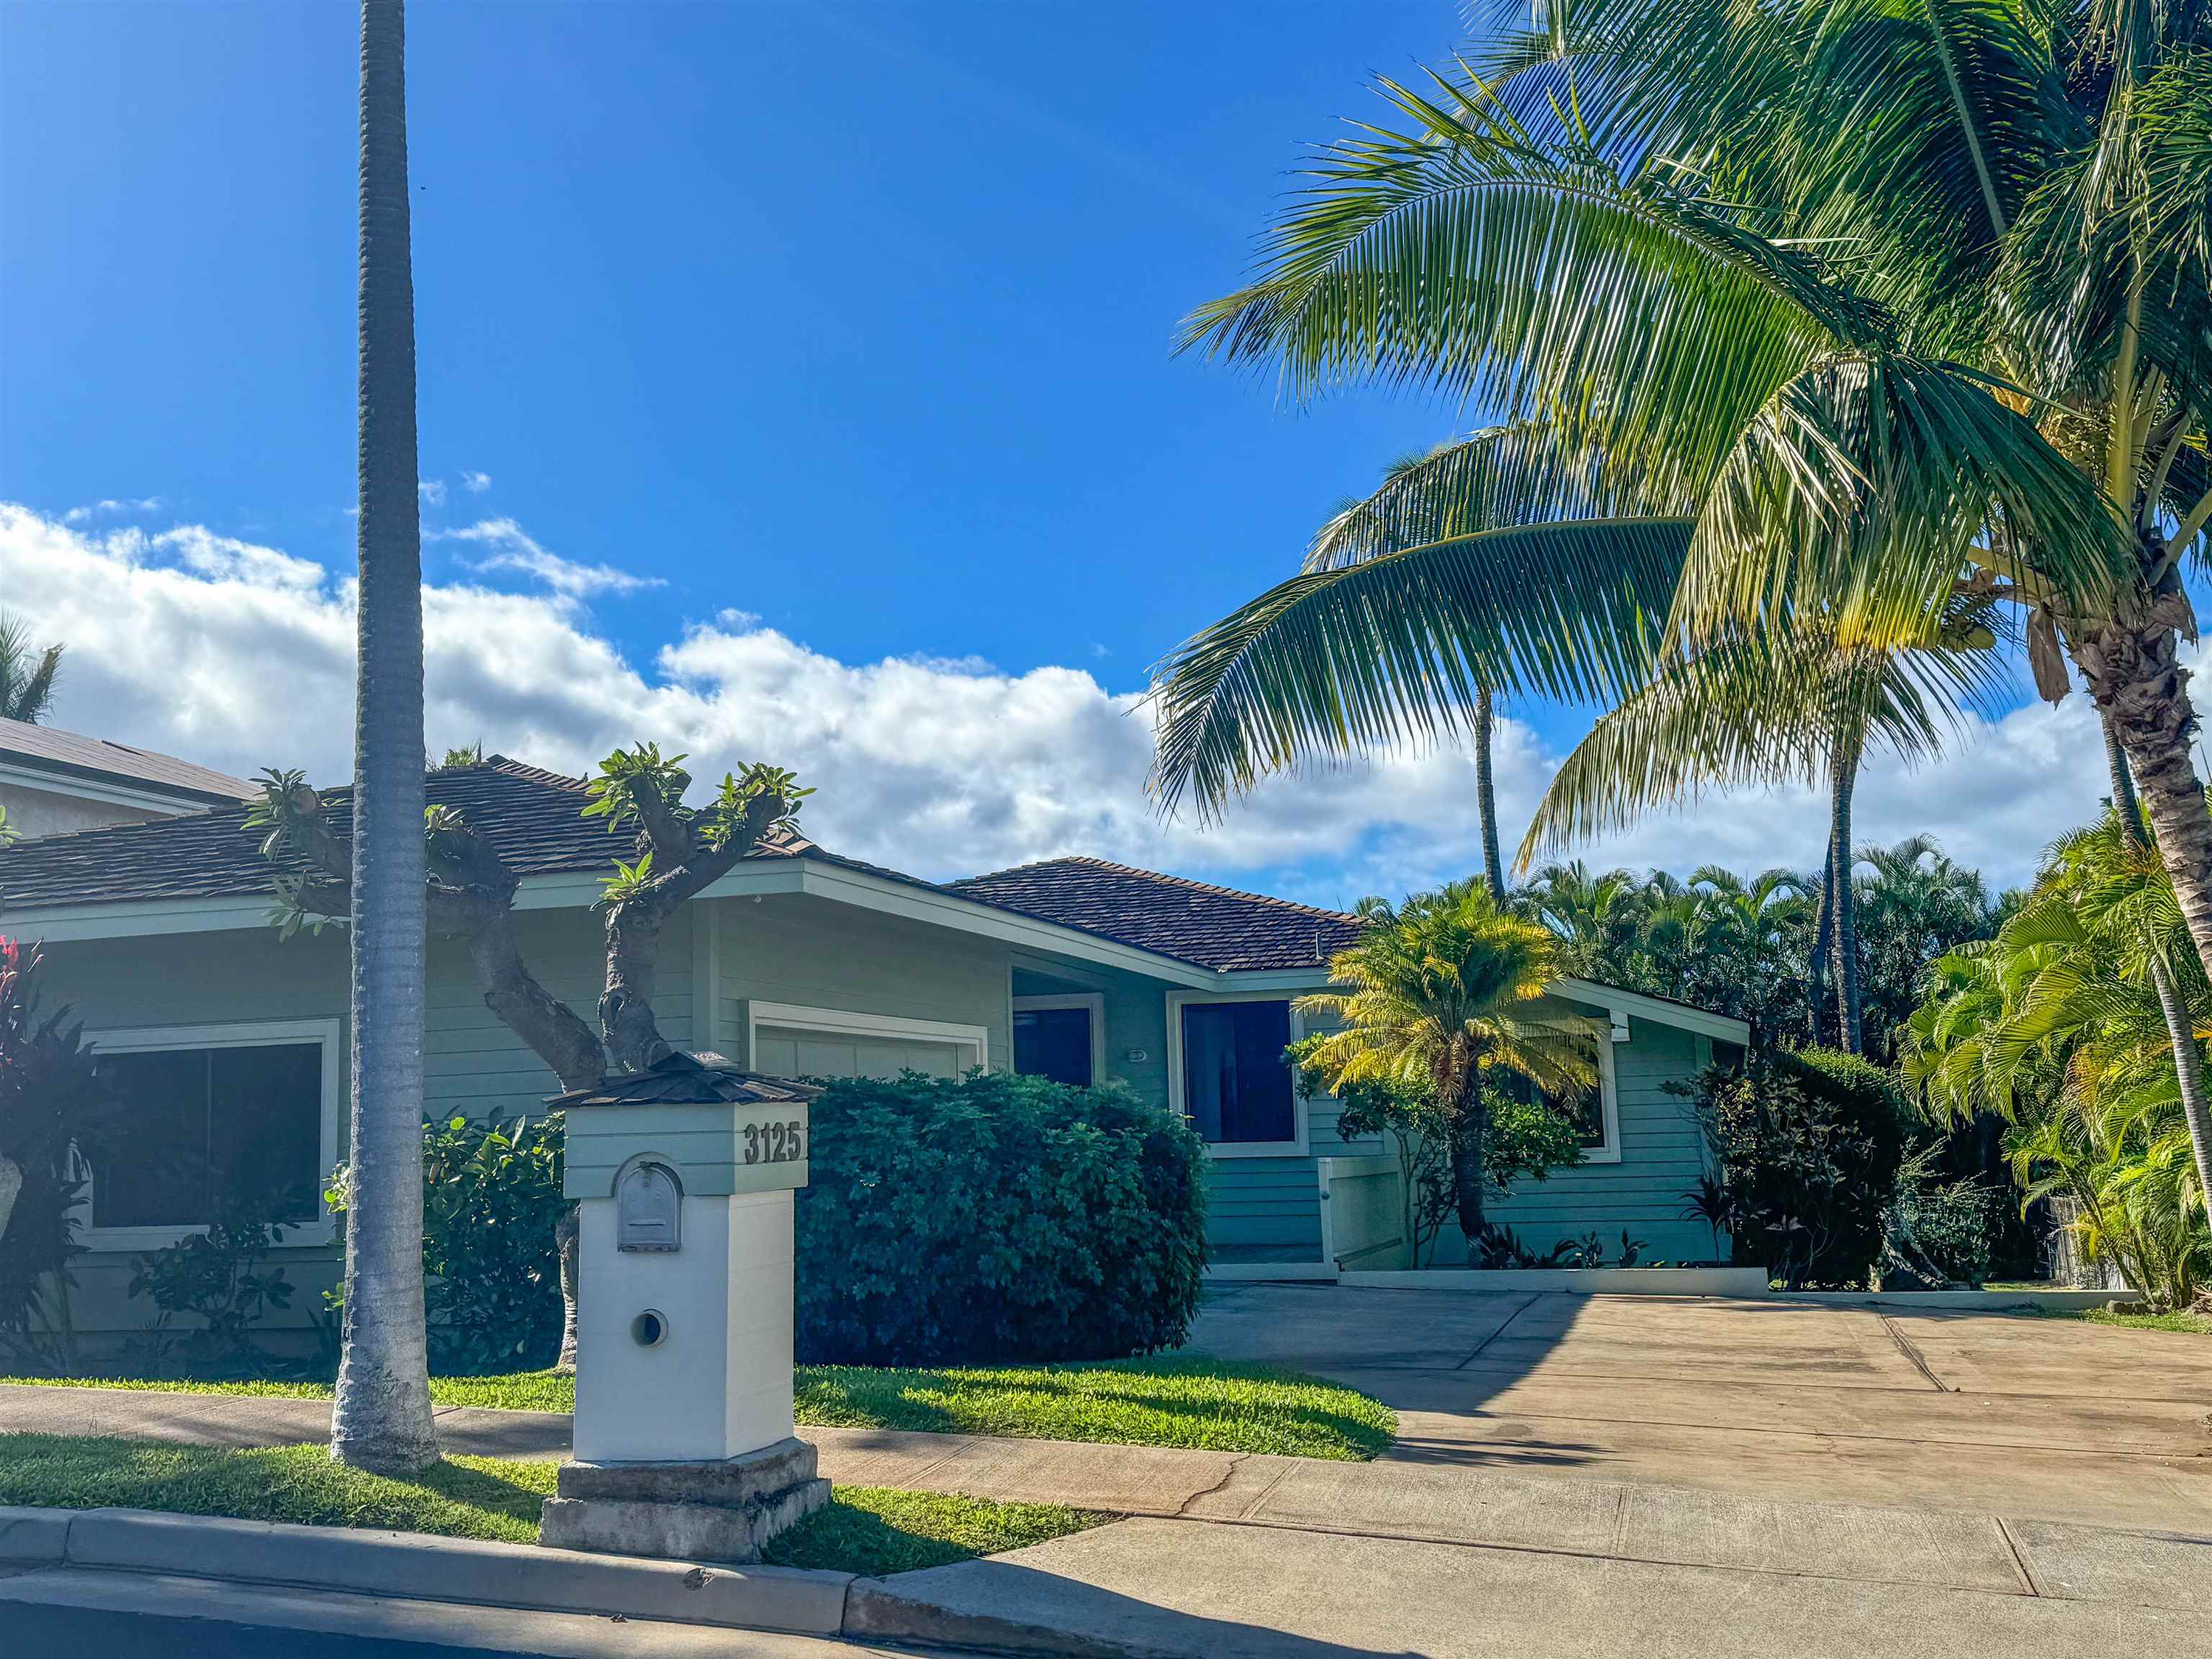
[[1529, 1138], [2057, 1026], [1442, 997], [27, 672], [1806, 1147], [55, 1112], [996, 1216], [1745, 945]]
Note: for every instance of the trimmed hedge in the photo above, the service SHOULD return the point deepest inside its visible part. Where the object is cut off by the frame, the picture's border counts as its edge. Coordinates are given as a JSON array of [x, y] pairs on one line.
[[995, 1217]]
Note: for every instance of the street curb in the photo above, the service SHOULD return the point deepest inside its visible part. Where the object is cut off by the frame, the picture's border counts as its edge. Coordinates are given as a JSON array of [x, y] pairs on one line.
[[419, 1566], [876, 1612]]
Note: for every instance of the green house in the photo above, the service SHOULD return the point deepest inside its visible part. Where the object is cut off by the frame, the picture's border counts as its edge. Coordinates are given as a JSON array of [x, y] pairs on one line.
[[230, 1044]]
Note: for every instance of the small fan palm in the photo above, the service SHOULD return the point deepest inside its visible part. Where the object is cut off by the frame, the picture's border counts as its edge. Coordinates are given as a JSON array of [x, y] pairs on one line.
[[1443, 992]]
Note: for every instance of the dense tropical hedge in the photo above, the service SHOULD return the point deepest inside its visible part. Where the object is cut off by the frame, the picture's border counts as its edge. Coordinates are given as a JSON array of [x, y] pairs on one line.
[[996, 1216]]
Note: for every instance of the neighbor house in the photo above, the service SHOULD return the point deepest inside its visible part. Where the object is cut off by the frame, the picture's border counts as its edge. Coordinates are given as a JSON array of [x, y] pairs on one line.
[[51, 782], [230, 1044]]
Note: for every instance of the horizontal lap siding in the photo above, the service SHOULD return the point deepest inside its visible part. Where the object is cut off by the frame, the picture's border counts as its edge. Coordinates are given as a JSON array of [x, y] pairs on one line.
[[1662, 1155], [474, 1066], [816, 953], [1270, 1204]]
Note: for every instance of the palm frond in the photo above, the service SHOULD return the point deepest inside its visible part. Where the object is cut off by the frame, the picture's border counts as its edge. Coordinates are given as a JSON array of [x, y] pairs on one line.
[[1397, 648]]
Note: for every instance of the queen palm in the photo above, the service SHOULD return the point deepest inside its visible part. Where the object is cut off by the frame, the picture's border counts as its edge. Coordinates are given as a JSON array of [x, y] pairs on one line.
[[381, 1418], [1442, 991], [1801, 705], [1895, 293]]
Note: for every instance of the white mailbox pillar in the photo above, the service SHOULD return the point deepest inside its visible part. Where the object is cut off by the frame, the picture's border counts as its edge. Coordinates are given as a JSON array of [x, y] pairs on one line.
[[684, 1177]]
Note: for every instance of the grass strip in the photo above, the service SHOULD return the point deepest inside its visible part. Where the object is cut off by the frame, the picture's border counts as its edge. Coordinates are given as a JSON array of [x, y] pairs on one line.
[[1175, 1401], [865, 1529]]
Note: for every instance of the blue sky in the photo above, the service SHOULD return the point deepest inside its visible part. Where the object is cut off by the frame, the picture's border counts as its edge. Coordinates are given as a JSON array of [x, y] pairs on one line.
[[856, 317], [812, 366]]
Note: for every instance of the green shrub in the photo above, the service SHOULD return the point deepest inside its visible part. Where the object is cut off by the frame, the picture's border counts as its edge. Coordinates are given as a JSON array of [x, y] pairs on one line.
[[1529, 1138], [1807, 1145], [217, 1276], [492, 1200], [1936, 1233], [996, 1216]]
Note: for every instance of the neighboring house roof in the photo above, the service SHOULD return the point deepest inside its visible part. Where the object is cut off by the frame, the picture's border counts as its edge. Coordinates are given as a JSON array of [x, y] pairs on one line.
[[1215, 927], [62, 758]]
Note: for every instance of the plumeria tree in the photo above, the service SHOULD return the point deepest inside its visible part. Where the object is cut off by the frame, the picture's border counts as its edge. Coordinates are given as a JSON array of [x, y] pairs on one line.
[[675, 851]]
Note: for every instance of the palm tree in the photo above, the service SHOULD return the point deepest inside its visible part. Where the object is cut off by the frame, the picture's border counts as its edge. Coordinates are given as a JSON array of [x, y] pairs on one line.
[[1443, 993], [1798, 706], [1915, 905], [1907, 302], [26, 673], [1490, 480], [381, 1418]]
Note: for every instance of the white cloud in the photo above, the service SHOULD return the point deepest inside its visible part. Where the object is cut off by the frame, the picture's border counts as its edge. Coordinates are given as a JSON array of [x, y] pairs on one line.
[[515, 550], [433, 491], [111, 509], [241, 657], [475, 482]]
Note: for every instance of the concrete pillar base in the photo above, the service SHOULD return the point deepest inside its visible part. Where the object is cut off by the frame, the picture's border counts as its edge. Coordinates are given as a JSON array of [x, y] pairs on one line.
[[725, 1511]]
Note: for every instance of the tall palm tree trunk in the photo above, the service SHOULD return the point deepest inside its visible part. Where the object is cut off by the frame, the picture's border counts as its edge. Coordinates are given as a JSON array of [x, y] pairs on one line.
[[1824, 942], [1842, 770], [1470, 1146], [1486, 793], [381, 1419], [2181, 1028], [2135, 674]]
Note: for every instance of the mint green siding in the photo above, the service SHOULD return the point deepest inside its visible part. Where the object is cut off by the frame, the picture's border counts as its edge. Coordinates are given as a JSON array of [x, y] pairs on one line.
[[1662, 1156]]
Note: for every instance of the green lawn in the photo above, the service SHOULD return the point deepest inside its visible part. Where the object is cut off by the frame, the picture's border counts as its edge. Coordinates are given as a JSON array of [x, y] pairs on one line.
[[865, 1529], [1193, 1402], [2194, 1324]]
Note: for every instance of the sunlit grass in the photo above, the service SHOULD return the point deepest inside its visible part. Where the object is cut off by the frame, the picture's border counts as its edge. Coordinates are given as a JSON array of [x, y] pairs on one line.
[[1216, 1405]]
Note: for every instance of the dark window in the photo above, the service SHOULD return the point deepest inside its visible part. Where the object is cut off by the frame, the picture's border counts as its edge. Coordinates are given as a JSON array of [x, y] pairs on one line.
[[204, 1128], [1235, 1087], [1585, 1110], [1054, 1042]]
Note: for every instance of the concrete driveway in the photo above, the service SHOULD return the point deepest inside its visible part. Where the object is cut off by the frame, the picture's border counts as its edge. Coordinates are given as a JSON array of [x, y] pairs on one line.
[[2042, 1418]]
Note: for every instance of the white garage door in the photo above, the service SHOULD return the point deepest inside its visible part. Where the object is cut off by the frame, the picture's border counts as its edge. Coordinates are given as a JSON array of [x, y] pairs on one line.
[[788, 1051]]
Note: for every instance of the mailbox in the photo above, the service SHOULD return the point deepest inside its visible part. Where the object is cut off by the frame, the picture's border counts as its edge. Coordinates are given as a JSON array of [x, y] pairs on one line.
[[648, 1207]]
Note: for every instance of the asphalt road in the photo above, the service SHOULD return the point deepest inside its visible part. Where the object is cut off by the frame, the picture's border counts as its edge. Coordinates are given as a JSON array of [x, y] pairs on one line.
[[111, 1635]]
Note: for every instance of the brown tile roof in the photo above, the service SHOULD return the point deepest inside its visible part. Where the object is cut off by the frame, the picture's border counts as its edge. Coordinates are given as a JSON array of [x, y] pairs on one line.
[[1215, 927], [72, 755], [535, 818]]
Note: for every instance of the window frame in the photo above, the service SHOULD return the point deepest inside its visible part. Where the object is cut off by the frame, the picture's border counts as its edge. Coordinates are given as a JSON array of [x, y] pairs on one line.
[[1606, 1033], [1092, 1002], [841, 1022], [1301, 1144], [251, 1033]]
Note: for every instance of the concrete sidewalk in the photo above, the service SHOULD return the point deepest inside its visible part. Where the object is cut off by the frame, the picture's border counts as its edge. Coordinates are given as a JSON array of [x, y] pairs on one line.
[[1234, 1554]]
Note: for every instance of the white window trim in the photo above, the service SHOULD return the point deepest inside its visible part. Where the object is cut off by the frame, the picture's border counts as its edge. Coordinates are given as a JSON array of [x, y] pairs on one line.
[[1608, 1096], [259, 1034], [839, 1022], [1177, 1001], [1095, 1003]]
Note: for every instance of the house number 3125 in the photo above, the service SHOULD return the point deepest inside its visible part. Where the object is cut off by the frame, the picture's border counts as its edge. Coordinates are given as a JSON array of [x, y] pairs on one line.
[[775, 1143]]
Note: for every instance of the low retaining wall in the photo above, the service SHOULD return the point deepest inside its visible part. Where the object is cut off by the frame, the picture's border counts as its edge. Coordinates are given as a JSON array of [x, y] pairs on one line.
[[1574, 1281], [2057, 1299]]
